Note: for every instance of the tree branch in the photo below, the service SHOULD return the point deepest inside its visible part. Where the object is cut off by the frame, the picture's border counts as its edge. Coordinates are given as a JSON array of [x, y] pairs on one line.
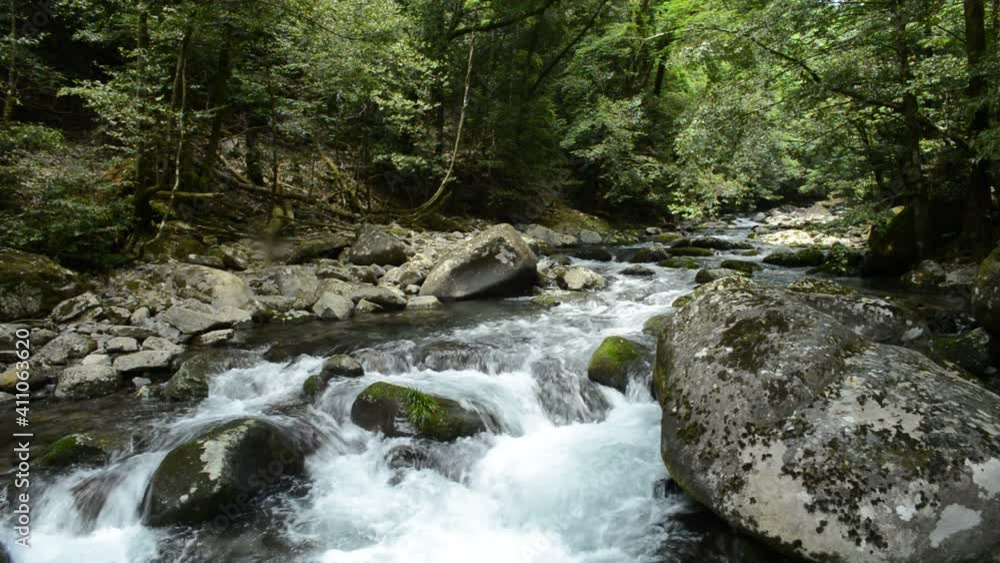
[[502, 23]]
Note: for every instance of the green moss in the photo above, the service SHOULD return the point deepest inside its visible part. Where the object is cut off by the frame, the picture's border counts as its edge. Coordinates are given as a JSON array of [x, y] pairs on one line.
[[656, 325], [680, 263], [809, 257], [612, 362], [692, 251], [742, 266], [747, 338], [821, 287], [312, 386], [667, 238], [74, 449], [430, 415], [547, 300]]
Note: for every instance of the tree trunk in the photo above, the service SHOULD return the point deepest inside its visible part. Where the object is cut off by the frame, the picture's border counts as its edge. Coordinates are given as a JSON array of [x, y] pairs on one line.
[[979, 202], [8, 104], [218, 94]]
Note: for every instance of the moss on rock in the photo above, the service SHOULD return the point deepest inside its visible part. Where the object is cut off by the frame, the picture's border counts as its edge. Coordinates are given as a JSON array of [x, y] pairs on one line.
[[75, 449], [680, 262], [694, 251], [744, 266], [401, 411], [614, 361], [805, 258]]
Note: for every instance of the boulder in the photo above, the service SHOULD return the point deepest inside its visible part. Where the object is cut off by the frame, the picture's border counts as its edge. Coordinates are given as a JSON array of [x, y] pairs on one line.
[[215, 287], [497, 262], [385, 297], [805, 258], [66, 347], [333, 307], [595, 253], [329, 246], [615, 361], [654, 326], [971, 351], [194, 317], [216, 337], [714, 243], [690, 251], [31, 285], [927, 275], [587, 236], [192, 380], [75, 449], [9, 379], [220, 473], [336, 366], [581, 279], [400, 411], [892, 248], [86, 381], [986, 293], [365, 307], [708, 275], [424, 303], [650, 254], [798, 432], [145, 361], [680, 263], [872, 318], [375, 246], [548, 236], [121, 345], [638, 270], [748, 268], [75, 307]]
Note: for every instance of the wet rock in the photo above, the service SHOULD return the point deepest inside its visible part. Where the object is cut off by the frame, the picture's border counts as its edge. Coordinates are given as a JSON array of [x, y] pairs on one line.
[[220, 473], [748, 268], [424, 303], [649, 255], [66, 347], [410, 457], [927, 275], [892, 249], [727, 282], [86, 381], [192, 380], [497, 262], [809, 257], [820, 287], [454, 355], [986, 293], [334, 367], [375, 246], [387, 298], [715, 244], [581, 279], [654, 326], [879, 453], [615, 361], [333, 307], [596, 253], [708, 275], [872, 318], [30, 285], [75, 307], [75, 449], [638, 271], [971, 351], [144, 362], [400, 411], [690, 251], [680, 263], [329, 246]]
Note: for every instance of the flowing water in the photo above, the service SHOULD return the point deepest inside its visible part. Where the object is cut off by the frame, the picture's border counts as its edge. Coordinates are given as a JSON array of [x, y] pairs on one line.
[[569, 475]]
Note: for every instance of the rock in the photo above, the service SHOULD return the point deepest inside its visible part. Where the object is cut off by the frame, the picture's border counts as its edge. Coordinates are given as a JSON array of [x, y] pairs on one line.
[[375, 246], [365, 307], [36, 379], [385, 297], [424, 303], [96, 360], [819, 286], [86, 381], [140, 316], [547, 300], [220, 472], [581, 279], [332, 307], [549, 236], [329, 246], [496, 262], [336, 366], [121, 345], [587, 236], [734, 282], [873, 448], [162, 344], [595, 253], [809, 257], [193, 317], [75, 307], [145, 361], [413, 272], [400, 411], [216, 337], [650, 254], [66, 347], [715, 244], [206, 260], [30, 285], [708, 275], [667, 238], [927, 275], [293, 317], [872, 318], [654, 326], [638, 271], [892, 249], [140, 382], [218, 288], [75, 449], [444, 355], [192, 380], [615, 361], [748, 268], [680, 263], [986, 293], [970, 351], [690, 251]]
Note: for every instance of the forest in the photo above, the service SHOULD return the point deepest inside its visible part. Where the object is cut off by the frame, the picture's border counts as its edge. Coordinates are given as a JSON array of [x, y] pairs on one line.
[[119, 115]]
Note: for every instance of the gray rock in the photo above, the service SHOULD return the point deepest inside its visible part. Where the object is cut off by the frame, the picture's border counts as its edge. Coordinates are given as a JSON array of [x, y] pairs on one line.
[[66, 347], [217, 337], [638, 270], [334, 367], [193, 317], [549, 236], [96, 360], [971, 351], [86, 381], [145, 361], [986, 293], [192, 380], [30, 285], [365, 307], [388, 298], [401, 411], [333, 307], [161, 344], [215, 287], [121, 345], [580, 279], [294, 317], [220, 472], [797, 431], [329, 246], [206, 260], [375, 246], [590, 237], [75, 307], [424, 303], [140, 316], [708, 275], [496, 262]]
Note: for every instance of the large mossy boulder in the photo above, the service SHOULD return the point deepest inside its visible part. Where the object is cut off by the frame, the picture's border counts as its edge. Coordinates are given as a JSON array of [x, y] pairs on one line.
[[31, 285], [496, 262], [616, 361], [796, 431], [193, 378], [986, 293], [220, 473], [401, 411], [375, 246], [75, 449]]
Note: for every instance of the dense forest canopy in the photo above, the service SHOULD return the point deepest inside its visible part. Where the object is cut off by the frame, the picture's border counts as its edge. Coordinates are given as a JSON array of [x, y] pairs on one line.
[[121, 114]]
